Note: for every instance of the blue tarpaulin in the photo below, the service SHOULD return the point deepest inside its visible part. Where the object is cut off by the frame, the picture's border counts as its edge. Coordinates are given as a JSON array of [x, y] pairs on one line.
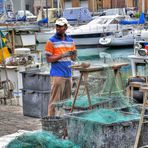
[[80, 14], [22, 18], [140, 21], [146, 44], [43, 21]]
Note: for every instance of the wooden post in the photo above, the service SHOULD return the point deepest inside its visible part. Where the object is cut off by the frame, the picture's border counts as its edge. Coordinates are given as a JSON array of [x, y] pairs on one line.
[[77, 91], [144, 89], [13, 40]]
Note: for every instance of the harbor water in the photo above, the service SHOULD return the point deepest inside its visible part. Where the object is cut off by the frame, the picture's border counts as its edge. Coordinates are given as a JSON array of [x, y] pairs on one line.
[[96, 56], [93, 54]]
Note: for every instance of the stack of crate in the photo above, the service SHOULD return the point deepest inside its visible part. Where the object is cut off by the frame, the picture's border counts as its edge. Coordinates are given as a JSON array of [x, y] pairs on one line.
[[35, 93]]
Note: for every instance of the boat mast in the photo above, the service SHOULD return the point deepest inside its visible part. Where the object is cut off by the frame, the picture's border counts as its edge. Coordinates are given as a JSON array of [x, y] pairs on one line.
[[58, 4], [93, 7], [143, 6], [60, 7], [12, 5], [23, 5], [52, 3], [41, 9], [46, 8], [4, 6]]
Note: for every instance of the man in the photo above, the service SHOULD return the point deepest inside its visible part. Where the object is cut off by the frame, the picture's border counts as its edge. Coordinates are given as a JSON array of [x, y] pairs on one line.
[[60, 51]]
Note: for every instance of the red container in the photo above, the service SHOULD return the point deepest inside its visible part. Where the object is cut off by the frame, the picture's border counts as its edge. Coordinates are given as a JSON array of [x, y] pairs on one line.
[[146, 47]]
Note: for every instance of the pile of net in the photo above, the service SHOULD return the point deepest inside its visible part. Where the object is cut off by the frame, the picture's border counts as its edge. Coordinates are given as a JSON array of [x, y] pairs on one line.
[[96, 101], [40, 139], [109, 116]]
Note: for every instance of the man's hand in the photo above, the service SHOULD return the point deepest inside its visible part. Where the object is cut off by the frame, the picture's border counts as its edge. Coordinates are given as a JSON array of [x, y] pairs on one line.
[[69, 54]]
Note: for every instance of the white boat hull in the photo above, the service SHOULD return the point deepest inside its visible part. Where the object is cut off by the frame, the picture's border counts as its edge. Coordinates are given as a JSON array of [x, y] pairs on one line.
[[80, 40], [117, 42], [123, 42], [89, 34], [120, 40], [144, 35], [86, 39]]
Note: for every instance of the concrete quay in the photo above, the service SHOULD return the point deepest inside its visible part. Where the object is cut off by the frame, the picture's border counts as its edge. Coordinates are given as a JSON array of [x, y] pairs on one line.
[[12, 120]]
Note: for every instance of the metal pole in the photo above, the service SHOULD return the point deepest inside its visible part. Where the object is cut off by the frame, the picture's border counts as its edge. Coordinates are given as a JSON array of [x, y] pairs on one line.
[[61, 7], [58, 7], [93, 7], [24, 8], [47, 11], [143, 6], [41, 9], [52, 3], [12, 5], [4, 6]]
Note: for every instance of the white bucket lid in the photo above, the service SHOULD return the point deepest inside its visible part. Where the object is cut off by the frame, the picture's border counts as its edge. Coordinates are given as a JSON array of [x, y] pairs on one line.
[[21, 50]]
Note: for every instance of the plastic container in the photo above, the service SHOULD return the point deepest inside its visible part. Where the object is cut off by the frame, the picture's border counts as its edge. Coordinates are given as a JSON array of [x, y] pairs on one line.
[[55, 125], [36, 80], [35, 103], [88, 134]]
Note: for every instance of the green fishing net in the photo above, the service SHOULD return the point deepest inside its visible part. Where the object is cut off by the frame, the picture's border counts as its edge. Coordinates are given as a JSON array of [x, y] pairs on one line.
[[40, 139], [106, 91], [103, 127], [108, 116], [110, 83], [105, 82], [100, 102]]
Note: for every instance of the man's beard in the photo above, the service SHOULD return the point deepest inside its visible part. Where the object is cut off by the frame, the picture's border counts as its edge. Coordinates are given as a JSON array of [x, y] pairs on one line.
[[60, 34]]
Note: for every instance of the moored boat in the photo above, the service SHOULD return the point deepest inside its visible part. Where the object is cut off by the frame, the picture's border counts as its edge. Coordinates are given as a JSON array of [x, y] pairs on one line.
[[122, 38], [89, 34]]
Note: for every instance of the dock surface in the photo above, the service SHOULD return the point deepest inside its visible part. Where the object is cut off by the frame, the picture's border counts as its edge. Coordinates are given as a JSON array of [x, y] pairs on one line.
[[12, 120]]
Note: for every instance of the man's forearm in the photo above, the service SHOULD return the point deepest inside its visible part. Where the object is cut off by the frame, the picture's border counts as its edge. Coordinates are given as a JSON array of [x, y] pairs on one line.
[[52, 58]]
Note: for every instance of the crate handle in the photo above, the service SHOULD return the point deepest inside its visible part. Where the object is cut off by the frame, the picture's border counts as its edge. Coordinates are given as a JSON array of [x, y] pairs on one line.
[[30, 91], [31, 74]]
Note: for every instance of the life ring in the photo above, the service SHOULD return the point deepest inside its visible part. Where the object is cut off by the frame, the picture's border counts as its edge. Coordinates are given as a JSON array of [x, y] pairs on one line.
[[105, 41]]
